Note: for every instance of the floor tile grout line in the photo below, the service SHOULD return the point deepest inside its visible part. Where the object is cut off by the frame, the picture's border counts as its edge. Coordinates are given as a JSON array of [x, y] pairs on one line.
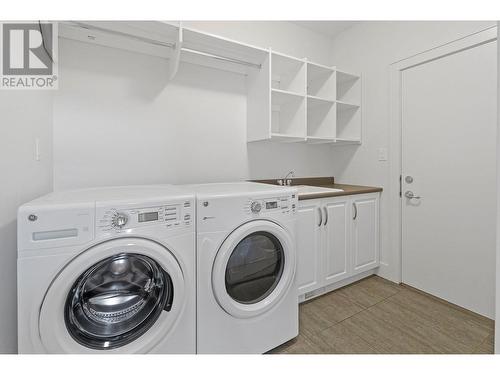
[[363, 309], [432, 326], [436, 327], [375, 349], [469, 313], [475, 349], [376, 303]]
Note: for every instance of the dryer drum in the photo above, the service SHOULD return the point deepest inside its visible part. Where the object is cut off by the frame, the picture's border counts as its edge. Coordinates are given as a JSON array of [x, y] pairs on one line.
[[117, 300]]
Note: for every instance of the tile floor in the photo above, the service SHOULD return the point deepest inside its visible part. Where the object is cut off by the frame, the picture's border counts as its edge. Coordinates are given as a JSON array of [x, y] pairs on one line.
[[378, 316]]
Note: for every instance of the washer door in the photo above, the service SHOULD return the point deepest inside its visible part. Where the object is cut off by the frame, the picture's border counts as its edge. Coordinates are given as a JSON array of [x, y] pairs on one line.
[[253, 268], [122, 295]]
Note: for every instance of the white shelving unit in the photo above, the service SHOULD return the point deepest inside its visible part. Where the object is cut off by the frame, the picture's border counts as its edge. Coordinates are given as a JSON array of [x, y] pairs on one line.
[[288, 99], [305, 103], [168, 40]]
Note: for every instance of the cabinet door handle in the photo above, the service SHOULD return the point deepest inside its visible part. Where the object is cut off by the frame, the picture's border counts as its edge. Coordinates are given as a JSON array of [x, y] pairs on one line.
[[326, 216], [320, 216], [355, 210]]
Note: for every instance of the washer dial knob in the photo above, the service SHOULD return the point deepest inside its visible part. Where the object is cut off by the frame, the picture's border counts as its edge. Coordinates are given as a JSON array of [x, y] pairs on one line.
[[256, 207], [119, 220]]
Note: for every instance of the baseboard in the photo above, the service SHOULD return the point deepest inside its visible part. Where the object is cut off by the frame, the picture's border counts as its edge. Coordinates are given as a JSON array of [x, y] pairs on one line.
[[389, 273]]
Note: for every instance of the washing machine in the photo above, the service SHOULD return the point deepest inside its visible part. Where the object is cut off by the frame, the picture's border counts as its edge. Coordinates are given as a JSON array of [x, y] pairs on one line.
[[108, 270], [246, 258]]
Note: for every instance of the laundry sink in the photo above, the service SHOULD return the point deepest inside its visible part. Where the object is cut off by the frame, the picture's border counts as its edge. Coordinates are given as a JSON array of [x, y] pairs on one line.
[[307, 189]]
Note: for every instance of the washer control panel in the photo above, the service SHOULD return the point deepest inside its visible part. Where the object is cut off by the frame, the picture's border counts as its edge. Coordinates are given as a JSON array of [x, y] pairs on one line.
[[286, 204], [116, 219]]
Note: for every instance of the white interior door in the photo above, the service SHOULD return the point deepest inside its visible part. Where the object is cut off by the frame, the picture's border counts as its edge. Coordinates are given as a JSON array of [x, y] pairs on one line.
[[449, 151]]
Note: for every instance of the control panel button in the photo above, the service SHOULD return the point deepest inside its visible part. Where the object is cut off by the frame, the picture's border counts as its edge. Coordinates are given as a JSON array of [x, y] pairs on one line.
[[119, 220], [256, 207]]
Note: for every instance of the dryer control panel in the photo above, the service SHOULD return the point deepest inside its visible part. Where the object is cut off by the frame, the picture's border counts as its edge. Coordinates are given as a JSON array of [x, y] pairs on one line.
[[118, 219], [284, 204]]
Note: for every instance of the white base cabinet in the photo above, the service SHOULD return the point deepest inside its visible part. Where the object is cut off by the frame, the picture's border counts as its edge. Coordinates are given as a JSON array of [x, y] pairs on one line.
[[337, 238], [365, 233], [335, 249], [309, 252]]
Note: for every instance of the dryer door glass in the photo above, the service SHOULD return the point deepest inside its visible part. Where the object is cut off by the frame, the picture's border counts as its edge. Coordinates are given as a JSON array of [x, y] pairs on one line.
[[254, 268], [117, 300]]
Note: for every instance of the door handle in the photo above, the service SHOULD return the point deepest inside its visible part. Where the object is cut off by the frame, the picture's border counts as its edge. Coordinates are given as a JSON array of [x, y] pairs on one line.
[[355, 210], [326, 216], [320, 216], [409, 194]]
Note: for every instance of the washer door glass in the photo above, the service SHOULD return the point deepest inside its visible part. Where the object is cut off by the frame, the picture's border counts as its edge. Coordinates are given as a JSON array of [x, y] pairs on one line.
[[254, 268], [117, 300]]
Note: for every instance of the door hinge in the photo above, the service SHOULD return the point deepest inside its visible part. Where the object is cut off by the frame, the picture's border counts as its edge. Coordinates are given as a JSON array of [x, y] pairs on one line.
[[400, 185]]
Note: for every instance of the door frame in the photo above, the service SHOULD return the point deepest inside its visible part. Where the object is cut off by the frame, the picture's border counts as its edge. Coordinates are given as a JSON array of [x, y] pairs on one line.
[[396, 130]]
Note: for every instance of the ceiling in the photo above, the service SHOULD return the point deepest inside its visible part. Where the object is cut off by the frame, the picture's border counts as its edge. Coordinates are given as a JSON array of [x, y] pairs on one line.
[[328, 28]]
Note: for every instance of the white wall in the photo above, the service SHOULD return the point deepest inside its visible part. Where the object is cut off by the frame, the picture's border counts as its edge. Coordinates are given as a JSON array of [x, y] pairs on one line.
[[117, 120], [369, 48], [26, 115], [497, 283]]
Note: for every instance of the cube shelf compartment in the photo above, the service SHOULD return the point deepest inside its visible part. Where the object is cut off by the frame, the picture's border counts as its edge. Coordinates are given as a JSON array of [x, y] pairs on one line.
[[348, 123], [321, 118], [348, 87], [321, 81], [321, 108], [288, 73], [348, 108], [288, 116]]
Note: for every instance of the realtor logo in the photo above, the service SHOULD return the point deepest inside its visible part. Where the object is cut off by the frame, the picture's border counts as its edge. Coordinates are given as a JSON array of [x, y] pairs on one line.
[[28, 53]]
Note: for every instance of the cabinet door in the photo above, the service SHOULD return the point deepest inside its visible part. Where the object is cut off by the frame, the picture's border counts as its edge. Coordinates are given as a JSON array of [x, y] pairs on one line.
[[336, 244], [365, 246], [309, 246]]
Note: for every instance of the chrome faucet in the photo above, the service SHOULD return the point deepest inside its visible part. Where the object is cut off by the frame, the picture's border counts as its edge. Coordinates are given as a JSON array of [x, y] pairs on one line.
[[287, 181]]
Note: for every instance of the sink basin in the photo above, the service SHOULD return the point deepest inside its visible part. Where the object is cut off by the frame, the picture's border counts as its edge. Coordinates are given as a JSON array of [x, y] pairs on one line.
[[306, 189]]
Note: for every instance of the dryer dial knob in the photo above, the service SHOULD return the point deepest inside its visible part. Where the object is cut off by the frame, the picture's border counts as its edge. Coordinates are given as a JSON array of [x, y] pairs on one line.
[[119, 220], [256, 207]]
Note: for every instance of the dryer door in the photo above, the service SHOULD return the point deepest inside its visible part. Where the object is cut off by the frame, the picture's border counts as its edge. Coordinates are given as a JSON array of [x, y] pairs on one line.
[[121, 295], [254, 268]]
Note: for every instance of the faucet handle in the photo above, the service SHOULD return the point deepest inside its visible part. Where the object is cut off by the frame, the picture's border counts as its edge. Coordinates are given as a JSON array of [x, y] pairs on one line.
[[280, 182]]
